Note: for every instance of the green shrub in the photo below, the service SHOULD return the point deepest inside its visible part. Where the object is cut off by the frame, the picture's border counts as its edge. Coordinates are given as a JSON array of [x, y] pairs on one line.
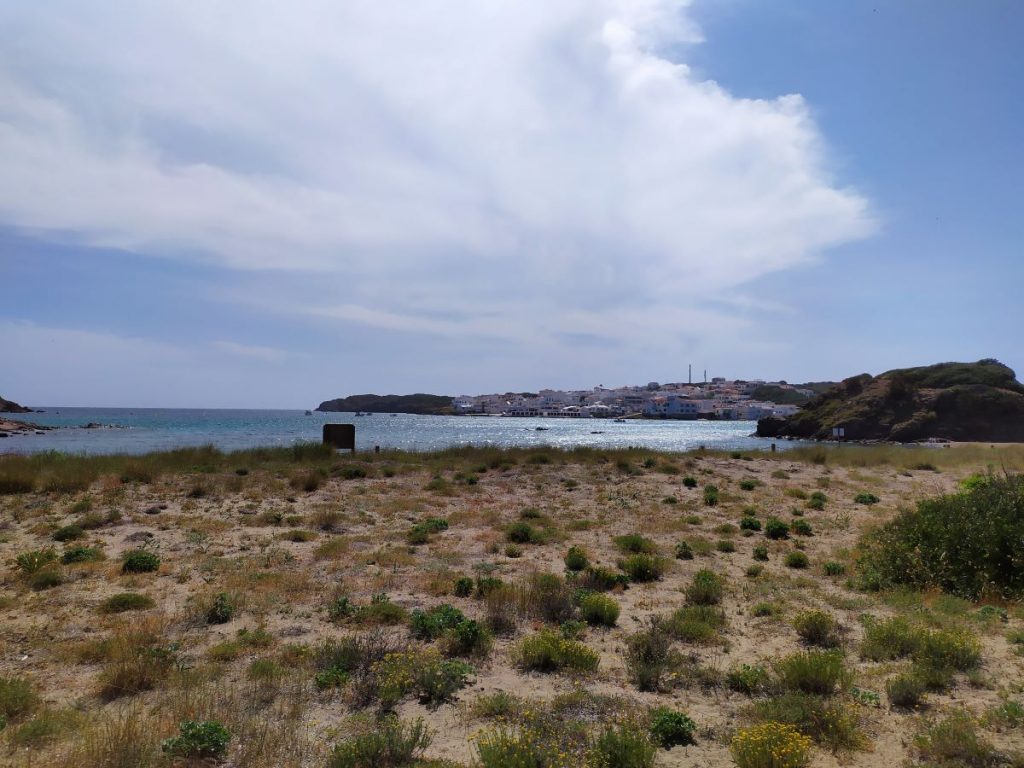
[[684, 551], [748, 679], [548, 597], [770, 745], [140, 561], [650, 657], [749, 484], [797, 559], [889, 639], [832, 568], [547, 651], [964, 543], [573, 629], [826, 720], [906, 690], [68, 533], [776, 529], [45, 579], [340, 608], [761, 553], [126, 601], [750, 524], [954, 743], [670, 727], [513, 551], [695, 623], [81, 554], [802, 528], [816, 628], [765, 609], [725, 545], [957, 650], [635, 543], [468, 638], [221, 610], [434, 622], [199, 741], [34, 560], [641, 568], [576, 559], [706, 588], [601, 579], [690, 482], [17, 699], [380, 611], [866, 498], [463, 587], [391, 744], [599, 609], [754, 570], [521, 532], [710, 496], [623, 746], [815, 672], [817, 501]]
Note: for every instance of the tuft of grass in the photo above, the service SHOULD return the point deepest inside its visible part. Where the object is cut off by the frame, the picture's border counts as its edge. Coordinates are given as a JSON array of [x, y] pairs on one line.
[[813, 672], [642, 567], [817, 628], [954, 743], [126, 601], [636, 544], [140, 561], [797, 559], [548, 651], [392, 743], [599, 609], [706, 588], [17, 699]]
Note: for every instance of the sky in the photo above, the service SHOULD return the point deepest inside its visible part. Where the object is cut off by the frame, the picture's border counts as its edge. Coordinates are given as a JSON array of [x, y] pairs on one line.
[[272, 204]]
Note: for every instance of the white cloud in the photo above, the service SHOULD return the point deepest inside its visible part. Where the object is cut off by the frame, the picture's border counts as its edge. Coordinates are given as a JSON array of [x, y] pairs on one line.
[[532, 165]]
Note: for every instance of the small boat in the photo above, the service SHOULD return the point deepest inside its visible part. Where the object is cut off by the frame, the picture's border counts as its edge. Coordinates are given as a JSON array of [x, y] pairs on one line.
[[309, 413], [620, 421], [394, 414], [541, 429]]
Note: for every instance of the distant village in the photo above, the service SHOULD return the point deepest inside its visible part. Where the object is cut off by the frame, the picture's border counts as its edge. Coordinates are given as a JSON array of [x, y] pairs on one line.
[[717, 399]]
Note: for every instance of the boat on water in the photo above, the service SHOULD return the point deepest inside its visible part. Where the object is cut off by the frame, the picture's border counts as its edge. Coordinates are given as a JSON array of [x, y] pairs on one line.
[[309, 413], [620, 421]]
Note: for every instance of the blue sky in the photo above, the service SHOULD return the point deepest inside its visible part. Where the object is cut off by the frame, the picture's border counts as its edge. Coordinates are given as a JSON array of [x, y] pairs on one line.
[[204, 210]]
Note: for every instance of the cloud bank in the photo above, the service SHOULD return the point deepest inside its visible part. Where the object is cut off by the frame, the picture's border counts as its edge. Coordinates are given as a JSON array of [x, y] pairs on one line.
[[533, 170]]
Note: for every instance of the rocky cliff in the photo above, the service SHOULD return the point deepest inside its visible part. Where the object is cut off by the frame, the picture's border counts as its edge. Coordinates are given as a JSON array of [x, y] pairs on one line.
[[980, 401], [8, 406], [419, 404]]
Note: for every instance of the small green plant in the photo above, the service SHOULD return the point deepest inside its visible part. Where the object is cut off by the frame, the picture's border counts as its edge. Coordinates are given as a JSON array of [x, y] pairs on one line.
[[642, 568], [906, 690], [548, 651], [754, 570], [432, 623], [817, 501], [391, 744], [750, 524], [770, 745], [832, 568], [650, 657], [710, 496], [17, 699], [955, 742], [463, 587], [221, 610], [802, 528], [576, 559], [199, 740], [81, 554], [749, 484], [776, 529], [725, 545], [706, 588], [760, 610], [468, 638], [599, 609], [623, 746], [140, 561], [684, 551], [814, 672], [749, 679], [797, 559], [761, 553], [866, 498], [34, 560], [690, 482], [46, 579], [127, 601], [670, 727], [68, 533], [521, 532], [602, 579], [816, 628], [513, 551], [636, 544]]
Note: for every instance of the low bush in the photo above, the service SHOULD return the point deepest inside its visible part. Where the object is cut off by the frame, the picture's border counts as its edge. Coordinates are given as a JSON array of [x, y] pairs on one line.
[[599, 609], [670, 727], [826, 720], [761, 553], [463, 587], [81, 554], [817, 628], [140, 561], [725, 546], [46, 579], [749, 679], [622, 746], [802, 528], [690, 482], [601, 579], [205, 740], [889, 639], [392, 743], [866, 498], [434, 622], [817, 501], [548, 651], [695, 623], [468, 638], [706, 588], [635, 543], [576, 559], [17, 699], [68, 533], [955, 743], [650, 657], [776, 529], [521, 532], [832, 568], [770, 745], [750, 524], [34, 560], [221, 609], [815, 672], [749, 484], [684, 551], [126, 601], [905, 690], [642, 568], [710, 496], [797, 559]]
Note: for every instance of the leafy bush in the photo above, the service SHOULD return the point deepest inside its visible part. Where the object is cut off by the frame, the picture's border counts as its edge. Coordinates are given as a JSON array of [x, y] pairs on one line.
[[127, 601], [641, 568], [749, 484], [826, 720], [391, 744], [468, 638], [34, 560], [747, 678], [761, 553], [521, 532], [432, 623], [649, 657], [599, 609], [816, 672], [710, 496], [380, 611], [906, 690], [420, 533], [81, 554], [207, 739], [866, 498], [817, 501], [750, 524], [47, 578], [221, 610], [965, 543], [695, 623], [797, 559], [889, 639], [706, 588], [955, 743], [624, 746], [770, 745], [547, 651], [776, 529], [601, 579], [635, 543], [140, 561], [690, 482], [816, 628], [548, 597], [68, 533], [802, 528], [670, 727], [725, 545], [684, 551], [463, 587], [832, 568], [576, 559]]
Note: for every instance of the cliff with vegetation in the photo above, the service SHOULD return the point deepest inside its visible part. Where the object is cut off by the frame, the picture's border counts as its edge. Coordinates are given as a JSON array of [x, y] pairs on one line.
[[8, 406], [980, 401], [422, 404]]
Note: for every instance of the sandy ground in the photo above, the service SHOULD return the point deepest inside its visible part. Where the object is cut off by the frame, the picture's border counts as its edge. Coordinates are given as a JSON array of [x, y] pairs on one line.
[[227, 539]]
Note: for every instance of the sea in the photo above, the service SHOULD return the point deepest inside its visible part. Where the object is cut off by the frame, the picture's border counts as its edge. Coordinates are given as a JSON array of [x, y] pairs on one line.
[[141, 430]]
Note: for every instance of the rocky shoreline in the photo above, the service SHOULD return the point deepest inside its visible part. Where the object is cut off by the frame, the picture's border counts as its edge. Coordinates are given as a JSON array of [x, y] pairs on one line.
[[9, 427]]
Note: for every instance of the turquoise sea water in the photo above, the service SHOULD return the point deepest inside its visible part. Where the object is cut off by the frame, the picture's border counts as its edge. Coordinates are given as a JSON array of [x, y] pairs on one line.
[[139, 430]]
